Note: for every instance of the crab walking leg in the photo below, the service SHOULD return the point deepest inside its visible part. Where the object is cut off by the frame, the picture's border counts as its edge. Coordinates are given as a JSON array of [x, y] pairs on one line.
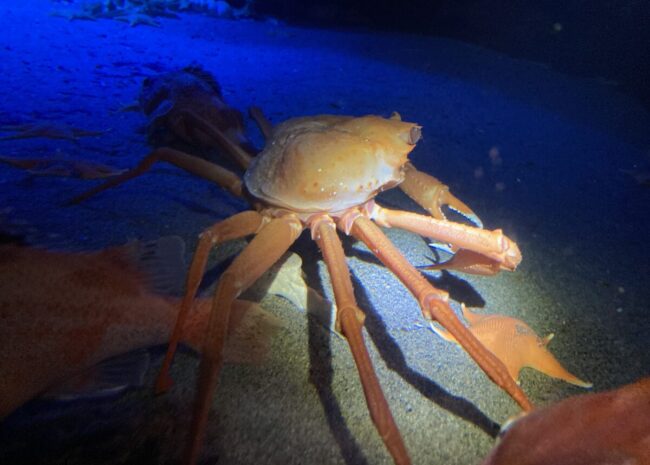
[[435, 307], [237, 153], [204, 169], [240, 225], [492, 244], [349, 320], [431, 194], [264, 250], [262, 122]]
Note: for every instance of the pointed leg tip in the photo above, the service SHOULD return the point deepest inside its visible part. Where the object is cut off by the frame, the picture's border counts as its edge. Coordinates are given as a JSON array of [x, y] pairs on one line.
[[473, 218], [163, 384], [548, 338], [77, 199], [73, 201], [465, 212]]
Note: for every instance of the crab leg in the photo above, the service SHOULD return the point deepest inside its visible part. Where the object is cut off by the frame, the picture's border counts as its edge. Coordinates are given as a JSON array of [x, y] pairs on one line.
[[204, 169], [435, 307], [349, 320], [264, 250], [431, 194], [488, 251], [262, 122], [238, 154], [239, 225]]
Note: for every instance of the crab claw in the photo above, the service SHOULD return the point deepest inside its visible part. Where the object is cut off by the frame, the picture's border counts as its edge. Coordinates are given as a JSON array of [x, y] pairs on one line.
[[432, 195], [470, 262], [457, 205]]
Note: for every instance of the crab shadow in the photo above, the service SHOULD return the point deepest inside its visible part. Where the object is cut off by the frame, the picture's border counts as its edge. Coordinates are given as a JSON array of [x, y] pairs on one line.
[[320, 354]]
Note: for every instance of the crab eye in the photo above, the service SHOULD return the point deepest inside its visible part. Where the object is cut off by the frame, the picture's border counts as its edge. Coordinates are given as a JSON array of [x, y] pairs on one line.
[[413, 135]]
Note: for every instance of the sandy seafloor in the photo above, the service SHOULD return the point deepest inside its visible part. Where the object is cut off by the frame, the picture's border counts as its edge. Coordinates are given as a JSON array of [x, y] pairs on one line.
[[581, 223]]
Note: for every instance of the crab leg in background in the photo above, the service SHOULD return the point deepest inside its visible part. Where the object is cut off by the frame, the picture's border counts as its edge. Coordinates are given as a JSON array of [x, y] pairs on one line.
[[434, 304], [233, 150], [263, 123], [197, 166]]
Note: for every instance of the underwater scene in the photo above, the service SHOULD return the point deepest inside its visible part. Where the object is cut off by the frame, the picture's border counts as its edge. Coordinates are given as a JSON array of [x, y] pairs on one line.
[[328, 232]]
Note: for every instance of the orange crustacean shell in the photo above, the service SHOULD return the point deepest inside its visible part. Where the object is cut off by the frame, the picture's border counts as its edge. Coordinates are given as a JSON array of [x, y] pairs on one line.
[[331, 163]]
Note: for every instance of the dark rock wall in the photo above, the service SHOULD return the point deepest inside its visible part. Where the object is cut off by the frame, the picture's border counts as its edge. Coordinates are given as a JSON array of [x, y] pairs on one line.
[[602, 38]]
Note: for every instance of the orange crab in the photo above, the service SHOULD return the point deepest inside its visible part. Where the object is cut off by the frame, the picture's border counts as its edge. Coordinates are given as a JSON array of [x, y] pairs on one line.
[[322, 173]]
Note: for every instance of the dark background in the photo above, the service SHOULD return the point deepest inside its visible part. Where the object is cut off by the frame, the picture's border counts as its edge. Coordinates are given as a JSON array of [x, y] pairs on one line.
[[607, 39]]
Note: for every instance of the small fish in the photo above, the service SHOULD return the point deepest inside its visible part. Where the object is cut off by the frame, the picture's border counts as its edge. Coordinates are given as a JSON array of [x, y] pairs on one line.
[[63, 167], [606, 428], [515, 344], [286, 279], [62, 313]]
